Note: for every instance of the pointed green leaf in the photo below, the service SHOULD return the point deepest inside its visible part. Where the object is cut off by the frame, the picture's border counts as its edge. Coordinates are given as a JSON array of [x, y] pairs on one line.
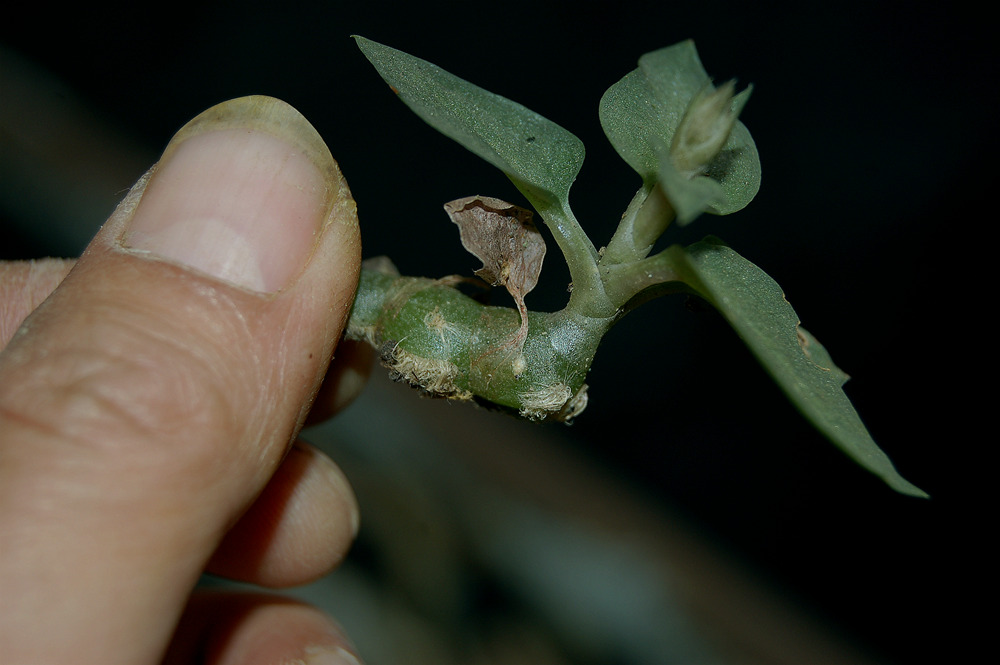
[[642, 111], [755, 306], [539, 156]]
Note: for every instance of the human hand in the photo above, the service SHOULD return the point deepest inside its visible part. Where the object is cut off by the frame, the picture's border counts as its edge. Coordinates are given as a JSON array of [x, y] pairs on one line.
[[148, 408]]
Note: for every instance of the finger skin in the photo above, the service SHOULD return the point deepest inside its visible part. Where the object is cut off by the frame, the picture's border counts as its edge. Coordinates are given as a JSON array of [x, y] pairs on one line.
[[225, 628], [297, 530], [344, 381], [143, 406], [23, 286]]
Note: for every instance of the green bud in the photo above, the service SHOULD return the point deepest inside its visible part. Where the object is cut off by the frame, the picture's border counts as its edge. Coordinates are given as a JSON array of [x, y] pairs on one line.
[[704, 129]]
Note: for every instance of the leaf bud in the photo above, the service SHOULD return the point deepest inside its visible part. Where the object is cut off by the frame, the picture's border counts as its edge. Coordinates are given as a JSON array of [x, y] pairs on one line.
[[704, 129]]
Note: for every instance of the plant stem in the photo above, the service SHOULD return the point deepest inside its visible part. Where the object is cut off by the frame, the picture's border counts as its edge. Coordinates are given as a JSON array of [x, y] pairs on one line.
[[648, 215], [624, 281], [448, 345], [587, 297]]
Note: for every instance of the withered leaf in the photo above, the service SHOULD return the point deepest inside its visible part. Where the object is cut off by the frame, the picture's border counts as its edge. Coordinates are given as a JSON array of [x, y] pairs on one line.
[[504, 238]]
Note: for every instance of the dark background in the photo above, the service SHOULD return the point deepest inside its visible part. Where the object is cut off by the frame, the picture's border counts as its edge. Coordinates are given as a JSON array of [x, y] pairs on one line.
[[876, 129]]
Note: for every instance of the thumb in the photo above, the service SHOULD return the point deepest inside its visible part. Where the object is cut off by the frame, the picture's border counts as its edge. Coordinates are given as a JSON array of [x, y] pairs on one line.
[[146, 403]]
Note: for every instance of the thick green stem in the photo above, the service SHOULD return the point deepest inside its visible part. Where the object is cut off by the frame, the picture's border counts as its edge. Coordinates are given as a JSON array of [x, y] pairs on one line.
[[449, 345]]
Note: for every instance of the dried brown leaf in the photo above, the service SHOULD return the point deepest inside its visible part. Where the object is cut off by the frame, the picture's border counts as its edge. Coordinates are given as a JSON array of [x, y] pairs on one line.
[[504, 238]]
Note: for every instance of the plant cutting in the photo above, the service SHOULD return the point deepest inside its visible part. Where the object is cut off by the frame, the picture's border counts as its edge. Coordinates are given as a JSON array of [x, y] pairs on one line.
[[682, 135]]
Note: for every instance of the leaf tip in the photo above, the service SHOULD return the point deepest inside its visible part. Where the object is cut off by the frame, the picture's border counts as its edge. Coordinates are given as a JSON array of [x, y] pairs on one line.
[[904, 486]]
